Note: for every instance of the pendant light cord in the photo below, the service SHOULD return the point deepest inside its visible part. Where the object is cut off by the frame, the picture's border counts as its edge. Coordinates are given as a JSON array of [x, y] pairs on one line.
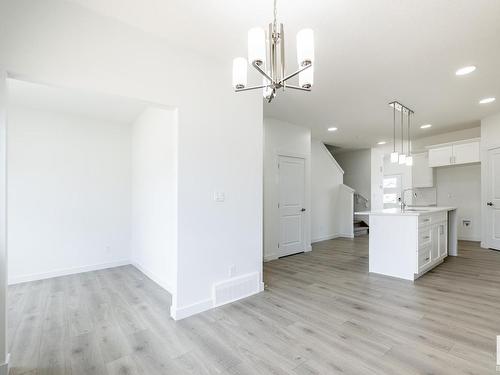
[[394, 124], [409, 143], [402, 131]]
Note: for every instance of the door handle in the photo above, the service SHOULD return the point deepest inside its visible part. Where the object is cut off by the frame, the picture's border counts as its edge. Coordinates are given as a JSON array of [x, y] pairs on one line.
[[302, 210], [489, 204]]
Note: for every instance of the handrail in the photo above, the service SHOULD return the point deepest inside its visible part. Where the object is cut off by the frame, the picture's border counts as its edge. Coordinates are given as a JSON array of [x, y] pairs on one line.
[[356, 194]]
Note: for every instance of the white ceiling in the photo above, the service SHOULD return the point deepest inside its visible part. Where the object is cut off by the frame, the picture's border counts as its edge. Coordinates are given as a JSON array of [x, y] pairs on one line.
[[75, 102], [367, 54]]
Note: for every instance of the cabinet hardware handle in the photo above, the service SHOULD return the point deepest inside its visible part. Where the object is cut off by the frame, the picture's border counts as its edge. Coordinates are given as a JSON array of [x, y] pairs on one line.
[[489, 204], [426, 220], [426, 237], [426, 259]]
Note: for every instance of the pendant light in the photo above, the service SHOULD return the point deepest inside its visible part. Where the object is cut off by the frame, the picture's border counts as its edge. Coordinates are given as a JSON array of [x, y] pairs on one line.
[[402, 156], [409, 158], [394, 154]]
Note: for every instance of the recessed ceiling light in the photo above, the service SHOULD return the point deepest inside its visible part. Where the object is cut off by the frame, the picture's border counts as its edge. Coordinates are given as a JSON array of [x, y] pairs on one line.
[[465, 70], [333, 129], [426, 126], [487, 100], [382, 143]]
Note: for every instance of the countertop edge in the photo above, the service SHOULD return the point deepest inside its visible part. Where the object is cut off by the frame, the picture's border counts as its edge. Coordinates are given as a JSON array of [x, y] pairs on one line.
[[397, 212]]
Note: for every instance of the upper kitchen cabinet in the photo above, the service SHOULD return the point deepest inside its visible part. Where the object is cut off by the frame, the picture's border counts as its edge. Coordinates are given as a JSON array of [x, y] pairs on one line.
[[464, 153], [422, 174], [440, 156], [461, 152]]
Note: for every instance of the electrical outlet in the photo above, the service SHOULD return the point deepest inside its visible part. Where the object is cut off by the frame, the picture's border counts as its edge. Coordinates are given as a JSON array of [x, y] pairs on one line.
[[466, 223]]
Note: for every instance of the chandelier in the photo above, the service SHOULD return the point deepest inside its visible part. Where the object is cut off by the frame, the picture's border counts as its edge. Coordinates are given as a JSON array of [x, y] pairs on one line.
[[266, 53]]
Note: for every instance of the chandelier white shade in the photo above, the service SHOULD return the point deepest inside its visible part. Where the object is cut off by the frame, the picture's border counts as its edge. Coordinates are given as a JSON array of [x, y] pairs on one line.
[[409, 161], [257, 46], [402, 159], [239, 73], [305, 47], [306, 78], [266, 53]]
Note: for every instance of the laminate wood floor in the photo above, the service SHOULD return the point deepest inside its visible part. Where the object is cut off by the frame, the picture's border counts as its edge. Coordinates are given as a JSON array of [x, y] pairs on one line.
[[321, 313]]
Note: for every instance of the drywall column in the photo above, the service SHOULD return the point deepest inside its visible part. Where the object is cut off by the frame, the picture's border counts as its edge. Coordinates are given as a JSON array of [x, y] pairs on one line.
[[3, 224], [154, 196]]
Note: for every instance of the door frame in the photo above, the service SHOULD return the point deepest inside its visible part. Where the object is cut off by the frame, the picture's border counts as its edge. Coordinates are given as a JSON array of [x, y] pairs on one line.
[[304, 221], [4, 355], [485, 196], [274, 229]]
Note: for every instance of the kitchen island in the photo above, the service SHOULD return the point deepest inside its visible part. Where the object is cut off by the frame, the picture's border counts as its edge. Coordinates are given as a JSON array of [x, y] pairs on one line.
[[407, 244]]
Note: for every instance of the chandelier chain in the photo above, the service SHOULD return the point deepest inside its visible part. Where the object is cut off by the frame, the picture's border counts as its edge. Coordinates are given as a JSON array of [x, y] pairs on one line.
[[275, 23]]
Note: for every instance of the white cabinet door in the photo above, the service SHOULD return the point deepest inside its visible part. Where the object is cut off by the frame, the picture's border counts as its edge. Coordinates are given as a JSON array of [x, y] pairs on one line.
[[422, 174], [443, 239], [435, 242], [464, 153], [440, 156]]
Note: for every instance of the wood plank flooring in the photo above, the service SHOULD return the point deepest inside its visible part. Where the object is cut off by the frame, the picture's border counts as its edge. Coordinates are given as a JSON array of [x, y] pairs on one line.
[[321, 313]]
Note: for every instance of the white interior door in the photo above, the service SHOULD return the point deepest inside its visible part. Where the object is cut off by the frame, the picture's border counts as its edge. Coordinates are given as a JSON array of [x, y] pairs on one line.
[[493, 202], [291, 172]]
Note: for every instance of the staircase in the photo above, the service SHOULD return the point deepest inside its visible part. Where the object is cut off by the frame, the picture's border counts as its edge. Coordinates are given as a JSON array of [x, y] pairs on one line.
[[360, 227]]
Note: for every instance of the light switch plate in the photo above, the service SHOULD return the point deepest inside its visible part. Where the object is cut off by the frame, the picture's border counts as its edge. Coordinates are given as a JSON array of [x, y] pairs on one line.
[[219, 196]]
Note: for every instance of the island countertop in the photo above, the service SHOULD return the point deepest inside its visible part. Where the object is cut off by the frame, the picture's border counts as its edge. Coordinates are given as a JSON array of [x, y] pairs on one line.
[[410, 211]]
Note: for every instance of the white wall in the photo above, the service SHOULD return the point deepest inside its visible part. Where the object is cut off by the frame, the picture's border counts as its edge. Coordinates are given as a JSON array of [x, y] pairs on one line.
[[282, 138], [220, 133], [460, 186], [69, 193], [331, 202], [377, 179], [357, 170], [154, 196], [490, 138]]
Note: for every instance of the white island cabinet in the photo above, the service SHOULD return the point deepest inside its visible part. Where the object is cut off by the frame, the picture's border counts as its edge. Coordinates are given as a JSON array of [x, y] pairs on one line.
[[408, 244]]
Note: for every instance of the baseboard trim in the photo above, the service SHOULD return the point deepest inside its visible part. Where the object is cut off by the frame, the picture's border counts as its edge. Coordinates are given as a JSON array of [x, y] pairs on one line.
[[205, 305], [155, 278], [472, 239], [332, 237], [325, 238], [4, 367], [270, 257], [66, 271], [187, 311]]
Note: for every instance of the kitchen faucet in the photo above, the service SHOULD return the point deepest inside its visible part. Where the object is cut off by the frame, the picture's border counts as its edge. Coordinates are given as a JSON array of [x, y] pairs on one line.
[[402, 198]]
